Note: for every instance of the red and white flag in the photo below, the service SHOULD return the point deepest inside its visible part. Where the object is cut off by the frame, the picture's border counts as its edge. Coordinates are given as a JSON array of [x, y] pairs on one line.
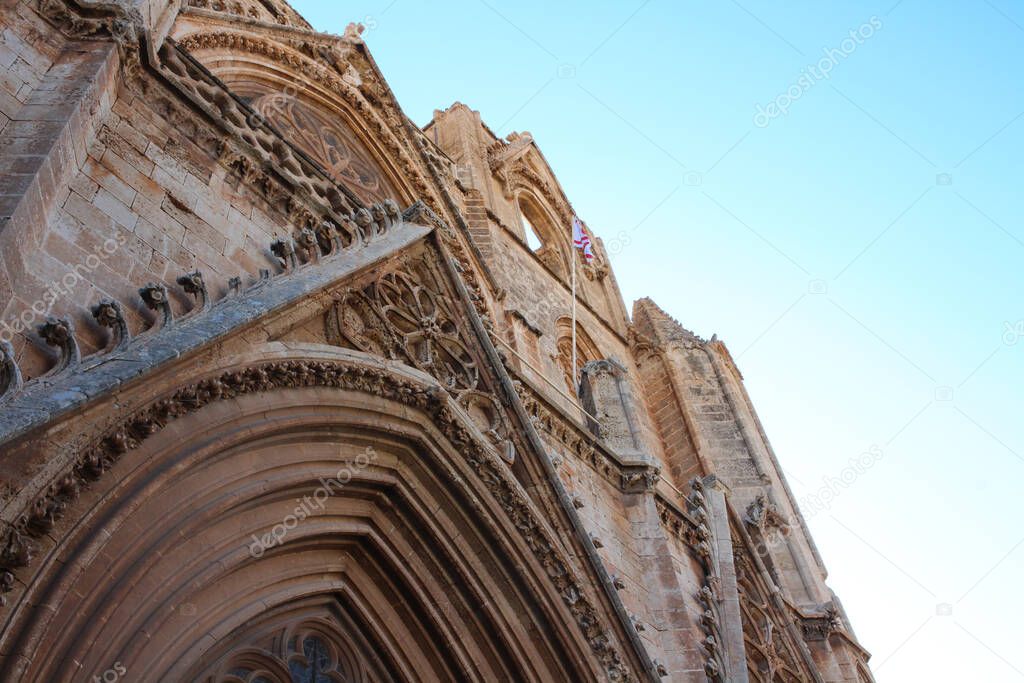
[[581, 240]]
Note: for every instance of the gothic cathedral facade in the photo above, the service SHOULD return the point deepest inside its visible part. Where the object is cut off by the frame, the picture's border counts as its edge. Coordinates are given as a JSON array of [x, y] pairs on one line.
[[290, 391]]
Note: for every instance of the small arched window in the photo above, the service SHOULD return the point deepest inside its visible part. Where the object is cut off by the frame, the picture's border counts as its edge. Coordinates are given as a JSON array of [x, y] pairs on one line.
[[540, 232], [532, 239]]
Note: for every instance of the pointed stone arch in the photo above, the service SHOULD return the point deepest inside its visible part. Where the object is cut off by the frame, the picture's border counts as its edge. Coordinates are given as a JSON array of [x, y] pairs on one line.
[[312, 98], [297, 473]]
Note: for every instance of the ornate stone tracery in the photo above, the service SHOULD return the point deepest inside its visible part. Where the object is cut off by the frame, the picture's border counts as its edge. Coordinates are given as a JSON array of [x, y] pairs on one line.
[[304, 645], [328, 141], [772, 654], [405, 315]]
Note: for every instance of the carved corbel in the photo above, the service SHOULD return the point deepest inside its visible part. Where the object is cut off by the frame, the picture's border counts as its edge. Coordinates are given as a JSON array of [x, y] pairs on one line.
[[154, 295], [284, 249], [306, 243], [60, 332], [379, 219], [393, 213], [639, 480], [328, 238], [10, 373], [365, 222], [763, 514], [349, 232], [108, 313], [194, 284]]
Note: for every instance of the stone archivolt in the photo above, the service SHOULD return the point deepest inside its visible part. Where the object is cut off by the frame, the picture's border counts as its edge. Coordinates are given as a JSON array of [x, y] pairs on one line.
[[329, 70], [341, 67], [298, 374], [452, 421]]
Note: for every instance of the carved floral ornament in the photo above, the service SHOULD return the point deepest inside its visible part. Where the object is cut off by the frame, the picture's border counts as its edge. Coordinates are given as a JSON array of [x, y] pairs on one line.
[[268, 11]]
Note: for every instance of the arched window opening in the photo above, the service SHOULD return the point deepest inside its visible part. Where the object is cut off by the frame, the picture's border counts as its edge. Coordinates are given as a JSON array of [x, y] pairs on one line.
[[532, 239], [540, 232]]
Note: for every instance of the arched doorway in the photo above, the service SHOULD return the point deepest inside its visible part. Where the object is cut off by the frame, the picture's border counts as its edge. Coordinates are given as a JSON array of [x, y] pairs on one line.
[[328, 519]]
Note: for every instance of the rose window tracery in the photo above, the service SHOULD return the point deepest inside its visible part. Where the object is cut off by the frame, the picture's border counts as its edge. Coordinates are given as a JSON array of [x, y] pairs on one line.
[[429, 335], [405, 315]]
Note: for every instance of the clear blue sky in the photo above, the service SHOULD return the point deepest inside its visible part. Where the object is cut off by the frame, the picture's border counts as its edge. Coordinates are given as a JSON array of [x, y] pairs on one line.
[[861, 254]]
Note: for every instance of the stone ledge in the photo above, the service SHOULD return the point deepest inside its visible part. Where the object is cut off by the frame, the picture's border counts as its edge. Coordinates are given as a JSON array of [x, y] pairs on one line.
[[48, 398]]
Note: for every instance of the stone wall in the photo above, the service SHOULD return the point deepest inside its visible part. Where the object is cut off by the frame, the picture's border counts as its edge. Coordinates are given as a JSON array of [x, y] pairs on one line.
[[141, 203]]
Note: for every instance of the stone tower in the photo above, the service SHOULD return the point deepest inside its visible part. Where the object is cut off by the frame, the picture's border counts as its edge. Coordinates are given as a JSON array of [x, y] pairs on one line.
[[287, 390]]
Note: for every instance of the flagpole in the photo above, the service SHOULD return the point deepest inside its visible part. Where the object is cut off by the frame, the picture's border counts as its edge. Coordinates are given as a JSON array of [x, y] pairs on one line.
[[575, 382]]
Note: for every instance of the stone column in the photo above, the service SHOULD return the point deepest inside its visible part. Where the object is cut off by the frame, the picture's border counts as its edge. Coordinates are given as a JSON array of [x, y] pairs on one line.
[[731, 625]]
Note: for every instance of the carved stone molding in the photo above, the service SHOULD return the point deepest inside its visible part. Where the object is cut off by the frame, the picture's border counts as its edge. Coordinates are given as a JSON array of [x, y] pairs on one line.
[[332, 69], [87, 20], [821, 626], [710, 595], [329, 71], [267, 11], [584, 445], [763, 515], [678, 523]]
